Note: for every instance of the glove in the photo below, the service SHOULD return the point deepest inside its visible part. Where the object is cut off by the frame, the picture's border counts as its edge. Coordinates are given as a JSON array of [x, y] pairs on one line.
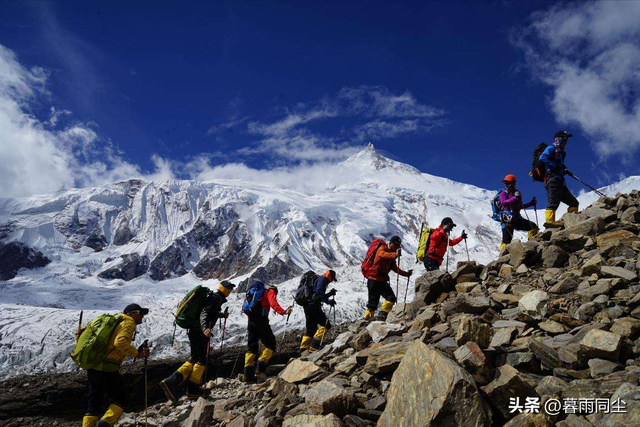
[[207, 333], [399, 253], [143, 353], [331, 302], [410, 272], [288, 310], [331, 293], [225, 314], [517, 194], [464, 235], [534, 201]]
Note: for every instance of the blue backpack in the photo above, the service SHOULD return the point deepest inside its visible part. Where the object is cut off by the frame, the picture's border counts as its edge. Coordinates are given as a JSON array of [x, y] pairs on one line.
[[253, 297], [496, 207]]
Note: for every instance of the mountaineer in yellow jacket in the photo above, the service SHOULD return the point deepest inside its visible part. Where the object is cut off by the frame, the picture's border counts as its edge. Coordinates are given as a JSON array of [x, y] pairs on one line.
[[106, 379]]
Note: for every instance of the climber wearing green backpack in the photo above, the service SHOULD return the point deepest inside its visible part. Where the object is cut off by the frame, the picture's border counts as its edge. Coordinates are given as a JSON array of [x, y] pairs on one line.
[[198, 312], [101, 348]]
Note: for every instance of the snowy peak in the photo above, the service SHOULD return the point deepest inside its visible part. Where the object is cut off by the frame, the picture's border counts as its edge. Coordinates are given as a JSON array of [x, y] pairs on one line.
[[370, 160]]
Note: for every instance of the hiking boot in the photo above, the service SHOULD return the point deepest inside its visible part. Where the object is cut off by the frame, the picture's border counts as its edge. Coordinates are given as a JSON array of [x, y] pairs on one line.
[[382, 316], [194, 390], [261, 368], [261, 377], [554, 224], [170, 386], [103, 423], [249, 374]]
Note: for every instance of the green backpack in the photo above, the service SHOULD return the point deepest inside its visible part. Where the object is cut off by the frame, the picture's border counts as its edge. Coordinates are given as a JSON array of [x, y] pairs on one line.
[[188, 314], [91, 348]]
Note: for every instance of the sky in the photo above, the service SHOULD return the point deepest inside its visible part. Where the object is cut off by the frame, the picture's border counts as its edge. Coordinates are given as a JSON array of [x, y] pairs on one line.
[[95, 92]]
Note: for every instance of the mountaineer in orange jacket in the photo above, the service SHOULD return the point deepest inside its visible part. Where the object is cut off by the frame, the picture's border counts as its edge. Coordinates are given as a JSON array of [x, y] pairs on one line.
[[438, 244], [378, 280]]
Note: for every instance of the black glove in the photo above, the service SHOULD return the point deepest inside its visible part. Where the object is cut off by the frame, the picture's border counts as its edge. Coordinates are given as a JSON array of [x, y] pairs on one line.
[[534, 201], [464, 235], [331, 293], [331, 302], [410, 272]]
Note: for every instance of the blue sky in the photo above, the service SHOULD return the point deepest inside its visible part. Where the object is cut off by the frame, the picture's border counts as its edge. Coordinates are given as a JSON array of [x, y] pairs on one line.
[[464, 90]]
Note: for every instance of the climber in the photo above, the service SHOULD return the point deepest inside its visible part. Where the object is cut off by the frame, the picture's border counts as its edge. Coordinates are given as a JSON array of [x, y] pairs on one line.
[[511, 203], [438, 244], [105, 378], [554, 180], [377, 275], [317, 323], [199, 337], [259, 302]]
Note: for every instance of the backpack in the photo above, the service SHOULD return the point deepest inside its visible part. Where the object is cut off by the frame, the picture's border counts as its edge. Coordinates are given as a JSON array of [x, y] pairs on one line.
[[538, 170], [496, 207], [188, 314], [304, 293], [91, 348], [423, 245], [253, 297], [368, 267]]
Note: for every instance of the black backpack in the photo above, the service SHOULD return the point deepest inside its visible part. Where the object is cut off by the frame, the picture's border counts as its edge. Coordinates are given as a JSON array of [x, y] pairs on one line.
[[304, 293], [538, 169]]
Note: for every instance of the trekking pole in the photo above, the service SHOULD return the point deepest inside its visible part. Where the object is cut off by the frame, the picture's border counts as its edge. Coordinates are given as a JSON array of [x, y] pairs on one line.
[[406, 291], [466, 246], [143, 346], [237, 357], [284, 334], [206, 369], [398, 276], [224, 327], [598, 192], [535, 209], [79, 331], [173, 337], [447, 253], [325, 333], [334, 320]]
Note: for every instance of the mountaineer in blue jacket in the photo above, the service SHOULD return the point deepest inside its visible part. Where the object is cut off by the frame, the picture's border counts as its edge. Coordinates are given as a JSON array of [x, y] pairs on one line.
[[317, 323], [554, 180]]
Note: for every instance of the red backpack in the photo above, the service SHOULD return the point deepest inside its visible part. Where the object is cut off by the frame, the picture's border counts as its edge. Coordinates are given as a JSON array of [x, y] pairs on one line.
[[368, 267]]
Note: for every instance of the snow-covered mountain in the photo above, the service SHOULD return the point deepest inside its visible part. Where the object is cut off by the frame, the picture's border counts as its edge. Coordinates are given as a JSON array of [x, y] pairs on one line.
[[98, 249]]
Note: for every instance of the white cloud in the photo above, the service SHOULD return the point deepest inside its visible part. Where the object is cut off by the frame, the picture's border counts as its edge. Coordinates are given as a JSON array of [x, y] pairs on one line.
[[41, 156], [385, 115], [589, 54]]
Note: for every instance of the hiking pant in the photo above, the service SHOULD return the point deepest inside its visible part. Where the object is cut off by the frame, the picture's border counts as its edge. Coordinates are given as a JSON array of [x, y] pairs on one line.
[[517, 223], [259, 330], [557, 192], [199, 343], [430, 264], [315, 317], [376, 290], [109, 383]]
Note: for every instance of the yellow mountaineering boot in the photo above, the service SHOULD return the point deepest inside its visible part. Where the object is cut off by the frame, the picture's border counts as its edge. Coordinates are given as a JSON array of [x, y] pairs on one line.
[[263, 361], [385, 309], [306, 343], [502, 246], [171, 384], [532, 233], [89, 421], [111, 417], [317, 339], [249, 368], [573, 209], [368, 315], [550, 219], [194, 390]]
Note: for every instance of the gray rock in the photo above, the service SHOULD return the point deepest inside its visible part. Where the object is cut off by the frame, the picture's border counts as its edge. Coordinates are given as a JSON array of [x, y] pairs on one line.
[[470, 329], [534, 304], [599, 368], [298, 371], [550, 385], [313, 421], [471, 357], [619, 272], [601, 344], [626, 327], [554, 256], [326, 397], [201, 415], [507, 385], [381, 330], [442, 383], [502, 337]]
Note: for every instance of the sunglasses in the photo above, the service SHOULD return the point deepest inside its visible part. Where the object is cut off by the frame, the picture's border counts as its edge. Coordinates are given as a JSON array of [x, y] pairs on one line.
[[562, 139], [137, 312]]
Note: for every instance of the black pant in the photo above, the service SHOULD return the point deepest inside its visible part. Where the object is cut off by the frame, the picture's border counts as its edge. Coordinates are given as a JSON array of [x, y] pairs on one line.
[[315, 317], [377, 289], [517, 223], [258, 330], [557, 192], [430, 264], [199, 343], [101, 383]]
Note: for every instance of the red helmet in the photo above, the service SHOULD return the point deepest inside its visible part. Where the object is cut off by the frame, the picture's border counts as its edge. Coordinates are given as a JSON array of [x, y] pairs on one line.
[[510, 178]]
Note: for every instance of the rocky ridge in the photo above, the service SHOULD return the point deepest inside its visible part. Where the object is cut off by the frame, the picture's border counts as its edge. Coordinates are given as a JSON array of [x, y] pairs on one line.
[[556, 318]]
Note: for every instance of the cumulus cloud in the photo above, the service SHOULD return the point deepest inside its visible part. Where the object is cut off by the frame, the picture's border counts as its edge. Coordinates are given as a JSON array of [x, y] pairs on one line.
[[45, 155], [589, 54], [376, 113]]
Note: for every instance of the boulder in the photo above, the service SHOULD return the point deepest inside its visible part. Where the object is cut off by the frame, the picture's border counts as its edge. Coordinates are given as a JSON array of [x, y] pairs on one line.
[[507, 385], [361, 340], [427, 375], [471, 357], [385, 359], [619, 272], [470, 329], [592, 266], [630, 416], [524, 253], [627, 327], [534, 304], [554, 256], [565, 285], [615, 238], [550, 385], [431, 284], [472, 304], [300, 371], [313, 421], [601, 344], [631, 214], [589, 227], [326, 397], [599, 367], [201, 415], [502, 337], [381, 330], [530, 420]]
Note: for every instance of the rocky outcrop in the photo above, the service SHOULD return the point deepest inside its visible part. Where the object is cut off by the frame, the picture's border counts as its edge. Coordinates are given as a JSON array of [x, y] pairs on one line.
[[131, 266], [16, 255]]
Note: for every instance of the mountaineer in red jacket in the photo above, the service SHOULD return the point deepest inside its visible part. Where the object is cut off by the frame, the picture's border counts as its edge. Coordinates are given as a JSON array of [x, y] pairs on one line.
[[378, 279], [438, 244]]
